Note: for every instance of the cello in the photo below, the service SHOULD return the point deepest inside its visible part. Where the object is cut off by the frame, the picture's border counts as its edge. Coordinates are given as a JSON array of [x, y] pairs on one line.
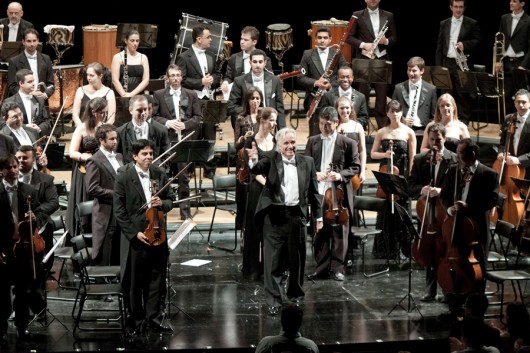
[[459, 271], [513, 207], [335, 213], [429, 241]]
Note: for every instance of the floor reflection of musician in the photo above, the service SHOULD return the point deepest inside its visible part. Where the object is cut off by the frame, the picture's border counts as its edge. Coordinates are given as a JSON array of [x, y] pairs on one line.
[[143, 266], [16, 260], [423, 183], [33, 108]]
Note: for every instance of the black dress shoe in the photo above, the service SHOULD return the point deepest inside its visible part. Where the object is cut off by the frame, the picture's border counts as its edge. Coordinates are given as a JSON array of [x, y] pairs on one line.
[[316, 275], [160, 328], [273, 310], [131, 333], [428, 298]]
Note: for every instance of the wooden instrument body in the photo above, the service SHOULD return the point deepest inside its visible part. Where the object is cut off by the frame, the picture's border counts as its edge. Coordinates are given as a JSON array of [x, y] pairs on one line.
[[427, 249]]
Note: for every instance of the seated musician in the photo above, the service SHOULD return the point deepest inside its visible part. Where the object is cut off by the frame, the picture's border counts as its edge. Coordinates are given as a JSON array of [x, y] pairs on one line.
[[14, 127]]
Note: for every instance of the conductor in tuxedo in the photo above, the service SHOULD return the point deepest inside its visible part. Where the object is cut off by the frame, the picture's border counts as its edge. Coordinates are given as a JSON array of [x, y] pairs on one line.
[[14, 24], [100, 175], [178, 109], [143, 263], [291, 186]]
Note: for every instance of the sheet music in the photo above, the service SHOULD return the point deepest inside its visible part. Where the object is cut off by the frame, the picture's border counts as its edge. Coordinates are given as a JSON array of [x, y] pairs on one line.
[[180, 233]]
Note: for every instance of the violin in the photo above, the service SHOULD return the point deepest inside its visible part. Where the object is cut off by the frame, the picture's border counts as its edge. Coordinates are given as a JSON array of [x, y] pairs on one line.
[[432, 214], [243, 173], [38, 154], [388, 168], [27, 236], [459, 271], [156, 226], [335, 213], [513, 207]]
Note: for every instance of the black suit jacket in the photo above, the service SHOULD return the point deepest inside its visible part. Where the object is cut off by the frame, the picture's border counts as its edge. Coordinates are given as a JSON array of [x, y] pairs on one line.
[[22, 26], [99, 183], [470, 35], [32, 133], [426, 103], [47, 195], [192, 72], [272, 195], [363, 32], [359, 103], [126, 136], [44, 66], [420, 174], [523, 149], [39, 113], [520, 39], [273, 95], [189, 111], [314, 70], [235, 67], [7, 145]]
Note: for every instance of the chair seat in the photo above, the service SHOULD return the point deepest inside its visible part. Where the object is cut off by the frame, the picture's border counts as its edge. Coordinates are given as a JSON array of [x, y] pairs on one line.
[[362, 232], [64, 252], [103, 271], [507, 275]]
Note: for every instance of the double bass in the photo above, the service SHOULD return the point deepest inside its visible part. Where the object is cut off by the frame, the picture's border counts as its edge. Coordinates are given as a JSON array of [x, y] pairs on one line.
[[432, 214], [459, 271], [513, 208]]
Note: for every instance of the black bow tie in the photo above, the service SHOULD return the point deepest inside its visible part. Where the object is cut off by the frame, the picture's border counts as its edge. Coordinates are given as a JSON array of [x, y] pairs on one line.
[[11, 188], [143, 175], [291, 161]]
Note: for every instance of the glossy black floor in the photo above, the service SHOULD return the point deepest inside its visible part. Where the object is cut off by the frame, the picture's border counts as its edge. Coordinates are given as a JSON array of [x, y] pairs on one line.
[[212, 307]]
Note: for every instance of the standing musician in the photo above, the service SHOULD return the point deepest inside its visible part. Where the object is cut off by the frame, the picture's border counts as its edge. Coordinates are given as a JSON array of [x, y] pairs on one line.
[[458, 37], [315, 61], [178, 109], [363, 37], [270, 85], [291, 186], [138, 128], [422, 183], [101, 171], [14, 24], [336, 159], [17, 263], [34, 108], [40, 64], [476, 188], [15, 128], [201, 74], [143, 266]]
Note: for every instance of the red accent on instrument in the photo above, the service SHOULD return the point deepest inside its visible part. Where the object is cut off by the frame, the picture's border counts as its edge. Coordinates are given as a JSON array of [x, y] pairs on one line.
[[335, 212]]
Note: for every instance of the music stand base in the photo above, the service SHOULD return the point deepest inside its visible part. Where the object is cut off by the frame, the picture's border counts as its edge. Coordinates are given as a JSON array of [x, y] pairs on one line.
[[170, 304], [47, 322]]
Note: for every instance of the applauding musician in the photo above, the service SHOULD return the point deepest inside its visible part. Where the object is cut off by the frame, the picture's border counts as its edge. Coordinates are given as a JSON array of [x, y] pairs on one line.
[[143, 266]]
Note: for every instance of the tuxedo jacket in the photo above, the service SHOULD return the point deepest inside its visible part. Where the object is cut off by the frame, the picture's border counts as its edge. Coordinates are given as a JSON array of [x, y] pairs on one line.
[[126, 136], [99, 183], [22, 26], [32, 133], [271, 165], [363, 32], [481, 198], [523, 149], [470, 35], [420, 174], [314, 70], [426, 102], [192, 71], [345, 161], [128, 200], [520, 39], [235, 67], [47, 195], [359, 103], [7, 145], [44, 66], [189, 111], [39, 113], [273, 95]]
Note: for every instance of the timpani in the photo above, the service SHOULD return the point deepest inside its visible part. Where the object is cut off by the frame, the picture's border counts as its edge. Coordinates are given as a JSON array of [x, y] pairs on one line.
[[99, 44]]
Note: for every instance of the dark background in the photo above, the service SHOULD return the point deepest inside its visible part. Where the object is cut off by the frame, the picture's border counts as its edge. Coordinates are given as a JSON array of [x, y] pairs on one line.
[[417, 24]]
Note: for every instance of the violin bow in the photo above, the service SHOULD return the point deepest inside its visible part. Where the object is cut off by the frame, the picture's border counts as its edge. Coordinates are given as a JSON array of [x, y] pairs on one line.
[[55, 125], [169, 149]]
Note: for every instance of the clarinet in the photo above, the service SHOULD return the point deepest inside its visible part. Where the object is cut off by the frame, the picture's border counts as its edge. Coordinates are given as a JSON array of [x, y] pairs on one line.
[[125, 71]]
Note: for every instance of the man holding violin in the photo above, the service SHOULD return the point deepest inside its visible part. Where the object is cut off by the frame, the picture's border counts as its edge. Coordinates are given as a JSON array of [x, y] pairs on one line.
[[425, 180], [18, 257], [337, 161], [143, 264]]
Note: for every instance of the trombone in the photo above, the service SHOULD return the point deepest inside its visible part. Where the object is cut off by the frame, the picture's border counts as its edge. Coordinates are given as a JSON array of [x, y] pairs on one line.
[[498, 72]]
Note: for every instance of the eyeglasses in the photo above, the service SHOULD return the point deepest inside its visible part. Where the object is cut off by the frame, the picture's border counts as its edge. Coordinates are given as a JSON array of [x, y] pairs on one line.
[[15, 116], [174, 75]]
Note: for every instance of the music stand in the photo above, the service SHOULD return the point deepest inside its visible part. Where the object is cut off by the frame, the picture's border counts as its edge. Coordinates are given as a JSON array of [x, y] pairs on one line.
[[214, 112], [372, 71], [439, 76], [487, 88], [11, 49], [148, 34]]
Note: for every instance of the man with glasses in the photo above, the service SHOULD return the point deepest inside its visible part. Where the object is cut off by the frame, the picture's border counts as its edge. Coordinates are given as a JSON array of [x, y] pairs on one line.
[[13, 117]]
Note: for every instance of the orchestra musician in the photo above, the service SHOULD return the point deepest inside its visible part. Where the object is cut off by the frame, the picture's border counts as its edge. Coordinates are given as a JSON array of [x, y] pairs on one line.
[[336, 158], [101, 171], [422, 183], [14, 24], [33, 108], [290, 188], [178, 109], [16, 256], [40, 64], [315, 61], [14, 126], [143, 266]]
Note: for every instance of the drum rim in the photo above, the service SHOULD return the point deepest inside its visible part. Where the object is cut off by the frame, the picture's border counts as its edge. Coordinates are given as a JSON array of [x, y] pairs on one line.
[[269, 27], [92, 28]]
